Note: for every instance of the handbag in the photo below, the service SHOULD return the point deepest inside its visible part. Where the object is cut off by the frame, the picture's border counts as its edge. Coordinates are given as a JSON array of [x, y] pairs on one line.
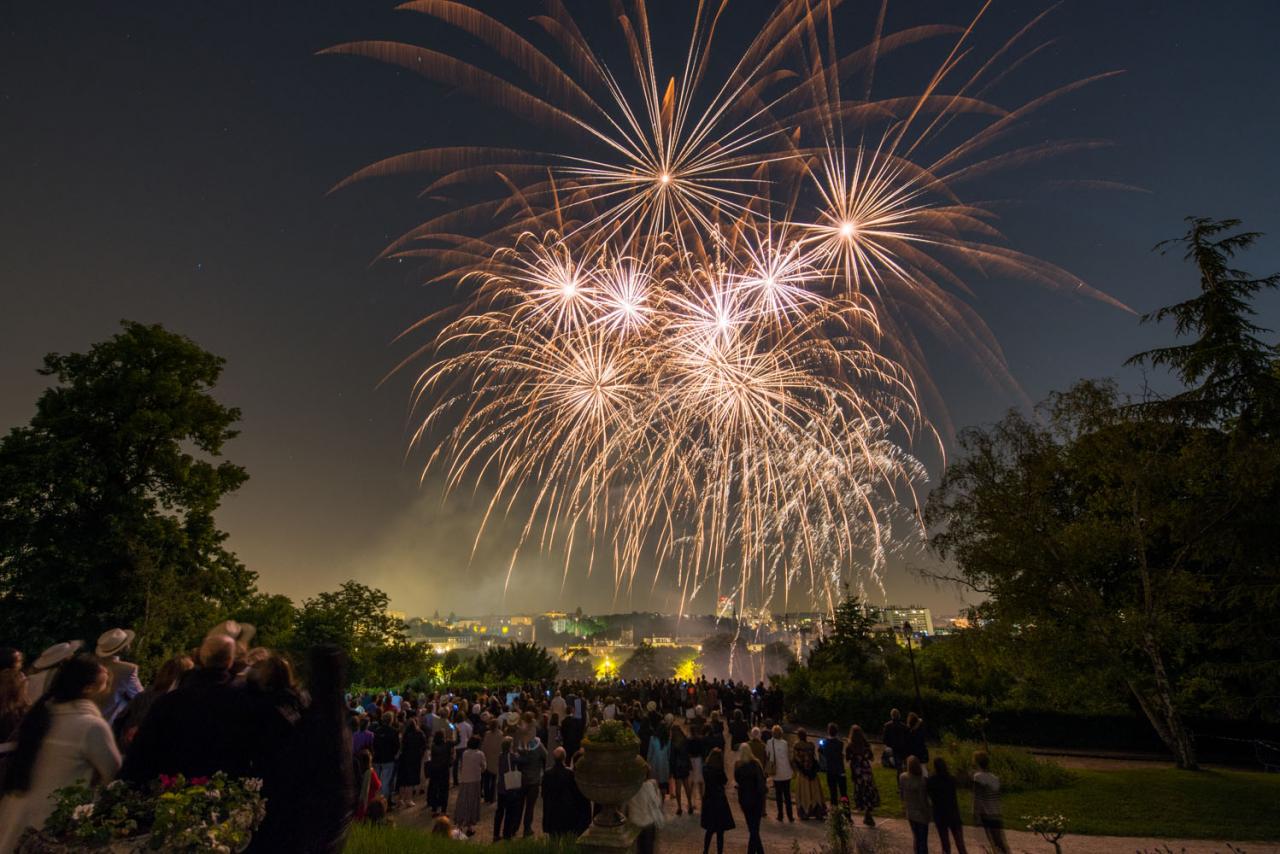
[[512, 779]]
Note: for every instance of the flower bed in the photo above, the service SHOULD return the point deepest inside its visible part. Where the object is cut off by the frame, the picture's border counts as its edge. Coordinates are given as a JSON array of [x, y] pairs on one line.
[[215, 813]]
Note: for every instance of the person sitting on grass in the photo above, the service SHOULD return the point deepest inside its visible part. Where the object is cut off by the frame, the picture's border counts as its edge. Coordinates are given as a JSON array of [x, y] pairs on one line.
[[443, 827]]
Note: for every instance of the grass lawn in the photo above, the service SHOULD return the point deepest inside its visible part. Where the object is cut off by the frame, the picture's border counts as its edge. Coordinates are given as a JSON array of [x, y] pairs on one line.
[[1236, 805], [369, 839]]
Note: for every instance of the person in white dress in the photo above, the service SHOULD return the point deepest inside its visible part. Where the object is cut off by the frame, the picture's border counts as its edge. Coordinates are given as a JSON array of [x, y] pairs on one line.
[[62, 741]]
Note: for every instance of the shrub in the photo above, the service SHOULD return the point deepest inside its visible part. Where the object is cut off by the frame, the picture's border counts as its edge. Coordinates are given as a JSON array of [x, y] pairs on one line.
[[1017, 769], [613, 732]]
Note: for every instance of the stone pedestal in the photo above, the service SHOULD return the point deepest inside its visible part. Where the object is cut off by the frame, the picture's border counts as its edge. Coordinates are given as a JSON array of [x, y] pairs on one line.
[[605, 839]]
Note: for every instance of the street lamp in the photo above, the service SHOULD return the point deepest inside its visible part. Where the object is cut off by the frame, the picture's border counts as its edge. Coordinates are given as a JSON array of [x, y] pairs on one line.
[[915, 675]]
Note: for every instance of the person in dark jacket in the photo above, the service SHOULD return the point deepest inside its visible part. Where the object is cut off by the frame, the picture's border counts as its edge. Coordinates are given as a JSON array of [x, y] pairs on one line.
[[413, 746], [506, 818], [716, 817], [559, 797], [312, 810], [438, 765], [946, 808], [916, 744], [739, 730], [833, 758], [571, 730], [753, 793], [204, 726], [386, 749], [894, 736]]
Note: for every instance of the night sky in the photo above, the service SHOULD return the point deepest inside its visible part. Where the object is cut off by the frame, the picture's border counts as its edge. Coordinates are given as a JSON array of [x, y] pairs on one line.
[[169, 162]]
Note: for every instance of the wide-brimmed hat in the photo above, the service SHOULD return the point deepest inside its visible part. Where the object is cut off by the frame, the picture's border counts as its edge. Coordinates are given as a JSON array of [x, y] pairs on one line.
[[113, 641], [57, 654], [241, 633]]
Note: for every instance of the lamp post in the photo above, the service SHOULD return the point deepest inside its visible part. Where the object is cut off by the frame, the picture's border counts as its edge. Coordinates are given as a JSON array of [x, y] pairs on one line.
[[915, 675]]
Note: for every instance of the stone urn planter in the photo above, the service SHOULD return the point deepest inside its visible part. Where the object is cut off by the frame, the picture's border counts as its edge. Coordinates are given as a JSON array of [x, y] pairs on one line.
[[609, 774]]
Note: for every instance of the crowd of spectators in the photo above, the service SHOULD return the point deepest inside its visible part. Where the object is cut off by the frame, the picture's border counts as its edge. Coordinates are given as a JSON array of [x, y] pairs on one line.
[[327, 758]]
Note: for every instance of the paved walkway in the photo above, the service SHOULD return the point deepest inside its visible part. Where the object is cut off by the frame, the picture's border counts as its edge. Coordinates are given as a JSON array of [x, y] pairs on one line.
[[683, 835]]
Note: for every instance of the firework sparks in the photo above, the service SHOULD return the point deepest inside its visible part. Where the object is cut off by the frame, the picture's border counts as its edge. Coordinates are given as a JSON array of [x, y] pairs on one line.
[[685, 340]]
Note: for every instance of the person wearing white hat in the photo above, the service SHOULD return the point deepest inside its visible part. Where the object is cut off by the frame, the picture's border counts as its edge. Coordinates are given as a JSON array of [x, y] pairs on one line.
[[43, 668], [124, 684], [241, 633]]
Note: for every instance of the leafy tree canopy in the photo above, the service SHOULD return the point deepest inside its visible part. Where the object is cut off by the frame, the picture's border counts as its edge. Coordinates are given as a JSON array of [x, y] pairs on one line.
[[107, 498]]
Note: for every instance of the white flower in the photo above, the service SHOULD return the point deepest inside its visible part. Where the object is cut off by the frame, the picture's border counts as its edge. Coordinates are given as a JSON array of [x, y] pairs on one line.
[[214, 794], [81, 812], [253, 784]]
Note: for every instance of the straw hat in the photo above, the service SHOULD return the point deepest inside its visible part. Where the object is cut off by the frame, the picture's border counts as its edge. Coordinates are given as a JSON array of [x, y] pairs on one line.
[[241, 633], [57, 654], [113, 642]]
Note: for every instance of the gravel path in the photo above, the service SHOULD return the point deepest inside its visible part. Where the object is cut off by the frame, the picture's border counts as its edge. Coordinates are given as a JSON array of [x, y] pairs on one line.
[[683, 835]]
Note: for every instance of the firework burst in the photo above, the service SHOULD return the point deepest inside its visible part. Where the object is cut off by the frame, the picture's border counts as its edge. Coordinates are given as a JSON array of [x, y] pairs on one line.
[[691, 338]]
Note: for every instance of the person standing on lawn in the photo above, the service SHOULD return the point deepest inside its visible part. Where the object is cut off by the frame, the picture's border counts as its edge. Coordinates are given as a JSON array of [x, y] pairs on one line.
[[946, 808], [894, 736], [866, 795], [833, 758], [915, 798], [986, 802]]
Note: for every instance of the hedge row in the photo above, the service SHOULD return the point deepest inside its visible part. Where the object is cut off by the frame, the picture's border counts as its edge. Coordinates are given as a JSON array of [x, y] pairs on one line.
[[1217, 740]]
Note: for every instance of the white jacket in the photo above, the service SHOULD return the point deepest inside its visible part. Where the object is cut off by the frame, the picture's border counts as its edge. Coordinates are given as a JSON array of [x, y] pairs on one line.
[[78, 748], [779, 752]]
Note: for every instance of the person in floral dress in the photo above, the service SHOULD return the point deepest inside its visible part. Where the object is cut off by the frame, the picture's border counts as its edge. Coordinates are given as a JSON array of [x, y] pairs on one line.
[[866, 797]]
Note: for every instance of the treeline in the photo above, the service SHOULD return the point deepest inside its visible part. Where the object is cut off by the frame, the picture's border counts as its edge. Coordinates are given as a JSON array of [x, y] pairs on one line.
[[1126, 546]]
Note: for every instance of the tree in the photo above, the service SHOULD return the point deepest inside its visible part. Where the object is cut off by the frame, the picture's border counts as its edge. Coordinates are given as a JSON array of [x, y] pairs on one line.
[[1229, 372], [354, 617], [852, 646], [516, 662], [1089, 528], [273, 615], [107, 498]]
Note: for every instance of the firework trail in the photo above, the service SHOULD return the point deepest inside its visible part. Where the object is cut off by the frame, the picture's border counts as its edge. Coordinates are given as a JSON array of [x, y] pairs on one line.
[[691, 337]]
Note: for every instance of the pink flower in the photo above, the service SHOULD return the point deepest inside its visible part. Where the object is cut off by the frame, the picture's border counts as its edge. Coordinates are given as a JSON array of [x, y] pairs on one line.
[[199, 781]]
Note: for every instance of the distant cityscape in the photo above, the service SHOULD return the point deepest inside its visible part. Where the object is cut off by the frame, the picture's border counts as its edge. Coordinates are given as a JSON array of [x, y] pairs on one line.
[[575, 636]]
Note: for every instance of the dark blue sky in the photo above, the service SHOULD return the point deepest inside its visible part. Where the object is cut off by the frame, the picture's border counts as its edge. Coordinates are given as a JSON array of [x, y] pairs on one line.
[[168, 162]]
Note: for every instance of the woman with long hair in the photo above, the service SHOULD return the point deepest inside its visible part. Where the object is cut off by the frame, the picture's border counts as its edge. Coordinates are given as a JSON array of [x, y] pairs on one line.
[[166, 679], [13, 702], [659, 759], [716, 817], [681, 766], [438, 765], [413, 746], [368, 786], [866, 795], [753, 793], [804, 758], [62, 741]]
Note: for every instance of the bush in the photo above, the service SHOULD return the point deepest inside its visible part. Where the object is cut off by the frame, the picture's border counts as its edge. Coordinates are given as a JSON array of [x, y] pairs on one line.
[[613, 732], [1017, 769]]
